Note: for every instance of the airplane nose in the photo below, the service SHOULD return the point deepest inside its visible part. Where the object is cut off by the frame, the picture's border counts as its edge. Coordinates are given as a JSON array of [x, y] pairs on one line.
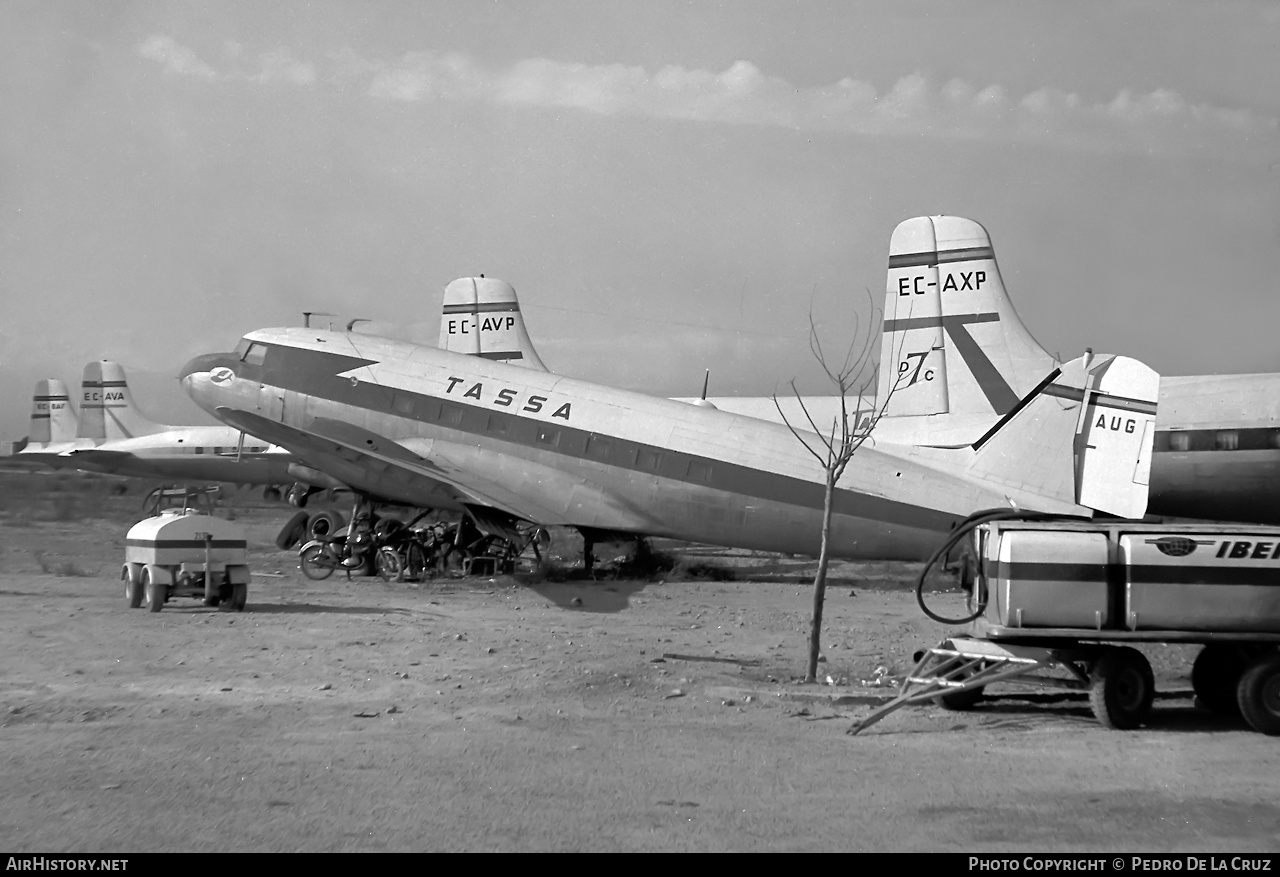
[[206, 363]]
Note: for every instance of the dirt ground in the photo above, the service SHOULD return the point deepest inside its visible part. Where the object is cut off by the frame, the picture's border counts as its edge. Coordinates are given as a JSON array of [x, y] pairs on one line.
[[513, 714]]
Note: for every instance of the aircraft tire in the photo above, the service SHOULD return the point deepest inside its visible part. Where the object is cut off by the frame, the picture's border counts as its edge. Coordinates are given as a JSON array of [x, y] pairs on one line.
[[293, 531], [1215, 678], [1122, 688], [325, 524], [1259, 695], [271, 493]]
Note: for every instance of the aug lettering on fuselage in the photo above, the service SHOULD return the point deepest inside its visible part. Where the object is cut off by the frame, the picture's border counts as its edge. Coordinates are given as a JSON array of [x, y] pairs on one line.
[[1115, 424], [970, 280], [508, 397], [486, 324]]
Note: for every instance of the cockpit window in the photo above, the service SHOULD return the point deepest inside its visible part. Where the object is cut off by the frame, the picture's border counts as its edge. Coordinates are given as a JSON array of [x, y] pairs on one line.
[[255, 354], [242, 347]]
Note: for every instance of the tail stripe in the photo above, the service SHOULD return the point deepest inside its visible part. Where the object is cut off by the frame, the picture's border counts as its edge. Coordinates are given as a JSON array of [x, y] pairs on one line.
[[499, 354], [912, 260], [1122, 403], [481, 308], [932, 322]]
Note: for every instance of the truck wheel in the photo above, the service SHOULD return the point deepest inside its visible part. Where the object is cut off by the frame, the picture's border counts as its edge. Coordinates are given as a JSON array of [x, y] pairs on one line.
[[1215, 678], [314, 564], [1259, 695], [239, 596], [155, 592], [1122, 688], [293, 531]]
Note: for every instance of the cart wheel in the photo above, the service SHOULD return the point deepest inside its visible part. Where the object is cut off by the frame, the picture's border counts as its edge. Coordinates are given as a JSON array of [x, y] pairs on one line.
[[155, 592], [1259, 695], [133, 590], [314, 564], [1122, 688], [959, 701], [1215, 678], [239, 596]]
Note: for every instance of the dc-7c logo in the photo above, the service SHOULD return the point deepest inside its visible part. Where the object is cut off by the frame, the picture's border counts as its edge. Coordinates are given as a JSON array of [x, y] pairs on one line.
[[920, 372]]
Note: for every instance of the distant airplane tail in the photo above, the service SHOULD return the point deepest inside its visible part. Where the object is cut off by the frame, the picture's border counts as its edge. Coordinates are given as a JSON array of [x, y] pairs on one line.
[[53, 420], [952, 343], [107, 411], [481, 317], [1083, 435]]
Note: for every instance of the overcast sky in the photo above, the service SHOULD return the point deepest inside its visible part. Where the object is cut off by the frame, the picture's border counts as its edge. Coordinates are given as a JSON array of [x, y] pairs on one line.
[[670, 186]]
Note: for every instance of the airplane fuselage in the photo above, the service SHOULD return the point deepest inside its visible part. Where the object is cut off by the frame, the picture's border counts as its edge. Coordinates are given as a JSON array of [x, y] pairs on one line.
[[561, 451], [192, 453]]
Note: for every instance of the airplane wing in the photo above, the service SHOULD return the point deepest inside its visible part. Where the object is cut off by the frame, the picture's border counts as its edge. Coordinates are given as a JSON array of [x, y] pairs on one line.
[[385, 468]]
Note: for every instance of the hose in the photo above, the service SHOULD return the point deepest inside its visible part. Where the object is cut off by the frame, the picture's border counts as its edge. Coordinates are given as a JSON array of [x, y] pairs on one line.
[[962, 530]]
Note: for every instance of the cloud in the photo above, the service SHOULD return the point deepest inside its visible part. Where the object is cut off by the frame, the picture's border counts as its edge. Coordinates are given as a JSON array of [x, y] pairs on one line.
[[176, 58], [1159, 121]]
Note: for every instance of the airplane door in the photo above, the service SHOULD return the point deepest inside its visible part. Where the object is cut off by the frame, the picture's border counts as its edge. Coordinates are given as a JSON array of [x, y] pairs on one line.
[[271, 402]]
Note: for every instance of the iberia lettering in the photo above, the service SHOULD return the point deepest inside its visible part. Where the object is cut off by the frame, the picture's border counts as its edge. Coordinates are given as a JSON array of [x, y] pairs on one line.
[[1239, 549], [508, 397]]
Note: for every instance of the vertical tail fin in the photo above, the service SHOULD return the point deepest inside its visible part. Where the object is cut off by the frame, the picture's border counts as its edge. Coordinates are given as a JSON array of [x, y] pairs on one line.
[[953, 343], [107, 411], [53, 419], [1084, 435], [481, 317]]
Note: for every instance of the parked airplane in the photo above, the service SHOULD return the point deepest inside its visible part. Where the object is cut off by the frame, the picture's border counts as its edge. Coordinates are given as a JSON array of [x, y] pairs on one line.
[[115, 437], [430, 427], [53, 430], [965, 358]]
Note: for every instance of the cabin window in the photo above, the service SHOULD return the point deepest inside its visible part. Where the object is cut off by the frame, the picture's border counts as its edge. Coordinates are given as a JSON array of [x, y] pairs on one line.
[[451, 415], [199, 450], [547, 435], [403, 405], [1226, 440], [700, 470], [497, 424], [255, 354], [649, 459], [217, 450], [1179, 441], [1273, 438], [598, 447]]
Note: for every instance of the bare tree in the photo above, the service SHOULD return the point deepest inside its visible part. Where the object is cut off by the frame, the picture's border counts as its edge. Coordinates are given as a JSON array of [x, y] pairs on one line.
[[834, 446]]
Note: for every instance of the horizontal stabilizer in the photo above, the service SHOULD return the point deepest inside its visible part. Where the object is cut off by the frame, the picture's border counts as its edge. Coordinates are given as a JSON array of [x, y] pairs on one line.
[[1083, 436]]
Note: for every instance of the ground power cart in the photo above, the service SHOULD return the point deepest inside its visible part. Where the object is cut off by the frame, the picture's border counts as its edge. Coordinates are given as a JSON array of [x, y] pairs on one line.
[[183, 553], [1060, 602]]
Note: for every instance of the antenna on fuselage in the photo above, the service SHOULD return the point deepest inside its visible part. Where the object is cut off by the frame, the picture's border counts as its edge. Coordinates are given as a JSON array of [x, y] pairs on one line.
[[702, 402], [351, 323]]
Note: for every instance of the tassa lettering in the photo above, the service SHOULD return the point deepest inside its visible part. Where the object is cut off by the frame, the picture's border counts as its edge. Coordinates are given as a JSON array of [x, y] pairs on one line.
[[508, 397]]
